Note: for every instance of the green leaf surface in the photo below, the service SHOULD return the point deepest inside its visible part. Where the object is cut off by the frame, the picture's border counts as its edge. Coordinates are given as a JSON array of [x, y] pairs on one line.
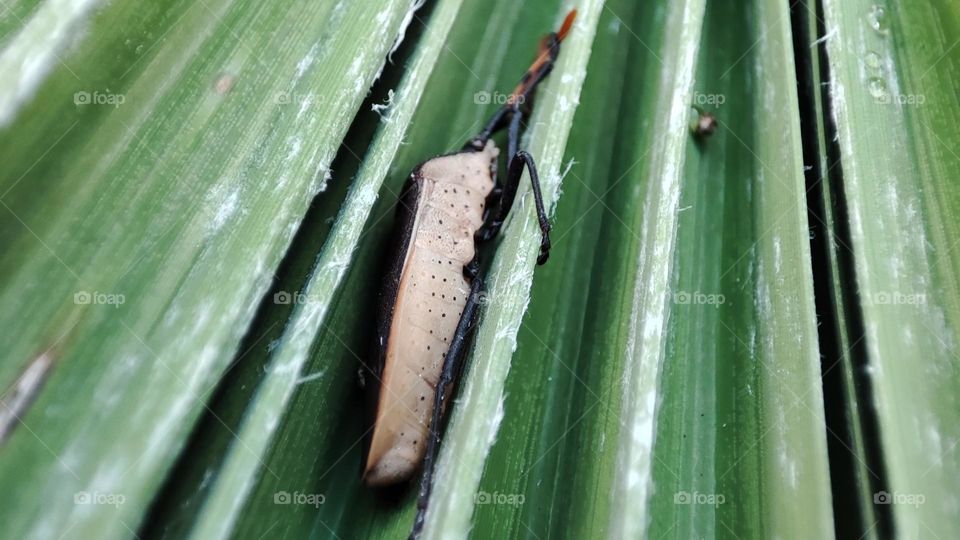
[[243, 463], [747, 456], [328, 452], [726, 422], [746, 335], [178, 146], [893, 79]]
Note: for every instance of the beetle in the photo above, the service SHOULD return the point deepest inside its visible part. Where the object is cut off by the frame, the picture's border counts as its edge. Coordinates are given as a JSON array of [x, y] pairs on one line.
[[450, 206]]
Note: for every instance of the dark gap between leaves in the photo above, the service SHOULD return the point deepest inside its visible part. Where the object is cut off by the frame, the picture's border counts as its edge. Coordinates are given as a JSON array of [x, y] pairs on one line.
[[847, 512]]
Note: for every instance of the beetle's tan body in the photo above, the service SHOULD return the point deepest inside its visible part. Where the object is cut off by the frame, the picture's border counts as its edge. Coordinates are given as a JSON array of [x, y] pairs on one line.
[[430, 298]]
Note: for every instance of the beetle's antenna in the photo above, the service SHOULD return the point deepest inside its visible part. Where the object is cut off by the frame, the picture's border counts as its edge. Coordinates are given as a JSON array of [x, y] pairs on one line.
[[567, 24], [549, 51], [547, 54]]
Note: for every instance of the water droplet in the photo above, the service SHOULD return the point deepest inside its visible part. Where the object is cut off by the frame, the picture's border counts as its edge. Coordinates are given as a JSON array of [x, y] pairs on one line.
[[877, 87], [873, 60], [878, 19]]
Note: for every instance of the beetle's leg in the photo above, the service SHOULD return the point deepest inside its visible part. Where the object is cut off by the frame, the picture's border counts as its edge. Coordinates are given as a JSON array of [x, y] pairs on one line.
[[508, 191], [452, 365], [493, 125], [514, 174], [520, 159], [472, 269], [513, 134]]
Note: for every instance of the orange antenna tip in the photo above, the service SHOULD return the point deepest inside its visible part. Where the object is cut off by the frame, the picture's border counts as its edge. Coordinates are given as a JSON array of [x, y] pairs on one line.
[[567, 24]]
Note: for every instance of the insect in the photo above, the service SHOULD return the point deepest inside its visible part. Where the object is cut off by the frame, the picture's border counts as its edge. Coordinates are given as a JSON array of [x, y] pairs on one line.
[[450, 206], [705, 124]]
